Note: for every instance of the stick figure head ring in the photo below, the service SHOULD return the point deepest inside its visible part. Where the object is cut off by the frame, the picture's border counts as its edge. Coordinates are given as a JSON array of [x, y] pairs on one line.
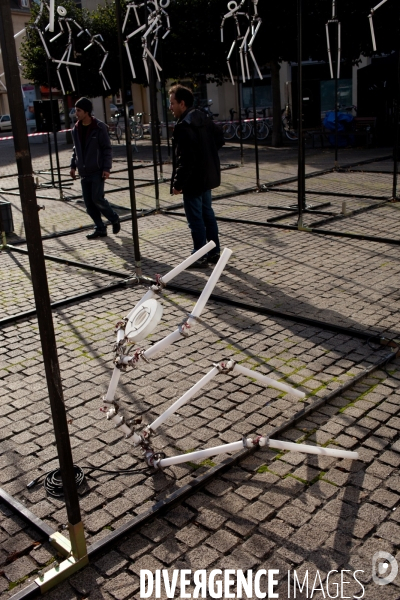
[[61, 11], [232, 5]]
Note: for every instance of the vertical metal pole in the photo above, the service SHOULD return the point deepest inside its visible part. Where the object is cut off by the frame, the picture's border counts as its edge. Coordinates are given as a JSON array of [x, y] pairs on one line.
[[129, 159], [150, 68], [239, 106], [30, 214], [164, 96], [53, 182], [54, 128], [336, 84], [255, 133], [396, 130], [301, 156]]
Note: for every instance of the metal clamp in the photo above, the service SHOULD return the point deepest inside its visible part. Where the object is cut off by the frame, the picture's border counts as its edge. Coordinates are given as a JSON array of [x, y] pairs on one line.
[[225, 367]]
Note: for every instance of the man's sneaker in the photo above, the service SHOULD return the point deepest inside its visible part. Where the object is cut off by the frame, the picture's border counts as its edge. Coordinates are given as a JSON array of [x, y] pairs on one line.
[[202, 263], [96, 233], [213, 259], [117, 227]]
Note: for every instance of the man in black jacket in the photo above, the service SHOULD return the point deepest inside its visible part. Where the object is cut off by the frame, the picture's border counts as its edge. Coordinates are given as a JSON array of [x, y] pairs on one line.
[[92, 157], [196, 169]]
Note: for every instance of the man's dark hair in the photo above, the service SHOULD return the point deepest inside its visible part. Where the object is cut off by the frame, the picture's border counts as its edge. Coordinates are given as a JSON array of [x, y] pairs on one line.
[[182, 93]]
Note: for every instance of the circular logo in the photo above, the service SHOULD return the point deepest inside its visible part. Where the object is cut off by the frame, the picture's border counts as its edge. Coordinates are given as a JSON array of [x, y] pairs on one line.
[[384, 568]]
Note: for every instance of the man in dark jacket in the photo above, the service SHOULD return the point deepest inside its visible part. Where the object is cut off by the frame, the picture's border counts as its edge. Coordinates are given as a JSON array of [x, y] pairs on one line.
[[92, 158], [196, 169]]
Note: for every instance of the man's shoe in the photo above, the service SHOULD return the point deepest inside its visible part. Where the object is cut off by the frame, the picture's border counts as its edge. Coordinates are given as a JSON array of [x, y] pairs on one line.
[[95, 234], [117, 227], [202, 263], [213, 259]]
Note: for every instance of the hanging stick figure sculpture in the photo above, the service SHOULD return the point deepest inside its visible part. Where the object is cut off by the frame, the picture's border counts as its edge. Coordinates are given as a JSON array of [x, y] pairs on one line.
[[65, 59], [157, 19], [94, 39], [253, 25]]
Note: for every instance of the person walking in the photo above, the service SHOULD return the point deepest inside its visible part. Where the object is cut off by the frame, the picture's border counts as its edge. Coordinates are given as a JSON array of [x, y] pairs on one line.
[[92, 157], [196, 169]]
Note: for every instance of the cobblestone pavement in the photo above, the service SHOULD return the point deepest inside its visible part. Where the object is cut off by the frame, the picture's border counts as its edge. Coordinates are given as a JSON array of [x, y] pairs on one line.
[[283, 511]]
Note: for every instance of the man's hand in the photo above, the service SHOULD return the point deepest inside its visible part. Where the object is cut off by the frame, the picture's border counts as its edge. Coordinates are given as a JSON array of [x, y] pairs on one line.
[[176, 192], [72, 173], [105, 175]]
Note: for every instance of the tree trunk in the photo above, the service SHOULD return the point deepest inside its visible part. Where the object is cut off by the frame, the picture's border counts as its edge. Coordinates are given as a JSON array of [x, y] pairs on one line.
[[276, 104]]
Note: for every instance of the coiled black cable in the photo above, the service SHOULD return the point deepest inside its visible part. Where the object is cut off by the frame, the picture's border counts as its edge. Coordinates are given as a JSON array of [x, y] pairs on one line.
[[53, 482]]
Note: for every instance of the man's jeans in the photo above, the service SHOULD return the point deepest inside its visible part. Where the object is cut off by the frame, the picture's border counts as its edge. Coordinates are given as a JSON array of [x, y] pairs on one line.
[[96, 204], [201, 220]]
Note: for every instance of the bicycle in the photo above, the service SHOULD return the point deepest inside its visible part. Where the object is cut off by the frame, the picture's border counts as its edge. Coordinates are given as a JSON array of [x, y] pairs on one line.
[[229, 128], [262, 128], [135, 124], [287, 124], [114, 130]]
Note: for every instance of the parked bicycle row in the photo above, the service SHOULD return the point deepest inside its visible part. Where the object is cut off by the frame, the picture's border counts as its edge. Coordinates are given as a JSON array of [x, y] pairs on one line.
[[231, 129]]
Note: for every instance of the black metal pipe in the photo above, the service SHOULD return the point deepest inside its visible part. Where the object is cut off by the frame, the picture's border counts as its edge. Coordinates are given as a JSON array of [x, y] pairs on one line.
[[335, 194], [396, 129], [54, 126], [37, 264], [53, 183], [354, 236], [132, 194], [255, 132], [73, 263], [60, 303], [67, 232], [239, 97], [301, 168]]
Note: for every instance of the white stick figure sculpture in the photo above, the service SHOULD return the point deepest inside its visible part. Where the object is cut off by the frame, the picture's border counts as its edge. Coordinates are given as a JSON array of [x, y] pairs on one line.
[[252, 25], [94, 39], [371, 23], [65, 59], [157, 19]]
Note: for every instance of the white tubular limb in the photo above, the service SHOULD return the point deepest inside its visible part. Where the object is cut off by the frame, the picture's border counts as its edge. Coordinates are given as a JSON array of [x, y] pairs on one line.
[[255, 63], [378, 6], [371, 24], [211, 283], [61, 83], [109, 397], [44, 43], [308, 449], [51, 16], [70, 78], [135, 32], [329, 49], [66, 62], [197, 310], [248, 443], [242, 65], [239, 369], [255, 33], [187, 262], [130, 59], [19, 33], [128, 8], [339, 49], [199, 455], [185, 398]]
